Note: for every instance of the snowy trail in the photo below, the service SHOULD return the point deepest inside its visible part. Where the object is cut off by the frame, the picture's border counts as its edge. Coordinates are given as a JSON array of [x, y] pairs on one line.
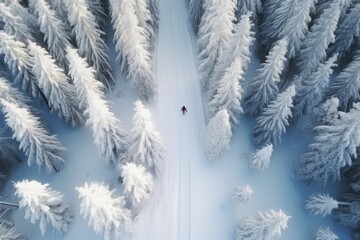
[[168, 214]]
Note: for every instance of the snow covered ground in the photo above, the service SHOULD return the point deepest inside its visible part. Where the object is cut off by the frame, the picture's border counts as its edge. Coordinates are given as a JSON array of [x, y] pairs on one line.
[[193, 197]]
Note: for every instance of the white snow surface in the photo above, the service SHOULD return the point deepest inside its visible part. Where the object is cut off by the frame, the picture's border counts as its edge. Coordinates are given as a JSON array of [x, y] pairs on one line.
[[192, 198]]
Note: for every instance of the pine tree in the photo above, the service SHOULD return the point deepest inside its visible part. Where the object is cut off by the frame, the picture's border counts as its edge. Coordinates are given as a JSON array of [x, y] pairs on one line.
[[14, 24], [215, 32], [138, 183], [55, 85], [322, 5], [321, 204], [347, 31], [224, 88], [55, 33], [347, 84], [327, 112], [262, 226], [335, 144], [267, 26], [263, 88], [325, 234], [311, 89], [272, 122], [88, 39], [243, 193], [132, 47], [245, 6], [196, 12], [143, 14], [43, 204], [321, 34], [19, 62], [261, 158], [296, 25], [8, 232], [30, 20], [36, 142], [106, 212], [286, 19], [146, 143], [109, 136], [218, 135]]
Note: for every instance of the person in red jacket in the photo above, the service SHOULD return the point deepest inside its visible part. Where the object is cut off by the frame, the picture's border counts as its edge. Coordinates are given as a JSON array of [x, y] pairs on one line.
[[183, 109]]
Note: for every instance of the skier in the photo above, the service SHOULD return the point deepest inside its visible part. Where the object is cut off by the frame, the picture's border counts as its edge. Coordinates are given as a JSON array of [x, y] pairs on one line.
[[183, 109]]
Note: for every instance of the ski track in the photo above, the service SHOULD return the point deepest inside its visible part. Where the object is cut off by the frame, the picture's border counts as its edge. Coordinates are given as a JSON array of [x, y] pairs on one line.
[[168, 214]]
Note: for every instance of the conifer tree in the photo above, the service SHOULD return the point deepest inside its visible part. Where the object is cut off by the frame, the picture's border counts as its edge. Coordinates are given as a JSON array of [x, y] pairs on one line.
[[55, 32], [243, 193], [55, 85], [263, 88], [347, 31], [321, 204], [326, 112], [321, 34], [347, 84], [334, 147], [285, 19], [218, 135], [88, 39], [14, 24], [138, 183], [146, 144], [108, 134], [262, 226], [30, 20], [325, 234], [311, 89], [274, 119], [19, 62], [269, 9], [324, 4], [215, 32], [296, 24], [143, 14], [132, 47], [36, 142], [261, 158], [224, 88], [109, 216], [43, 204]]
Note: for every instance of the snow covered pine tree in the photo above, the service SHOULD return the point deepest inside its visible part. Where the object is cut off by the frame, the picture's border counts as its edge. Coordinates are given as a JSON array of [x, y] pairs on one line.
[[146, 144], [107, 213], [108, 134], [218, 135], [138, 184], [43, 204], [274, 119], [262, 226]]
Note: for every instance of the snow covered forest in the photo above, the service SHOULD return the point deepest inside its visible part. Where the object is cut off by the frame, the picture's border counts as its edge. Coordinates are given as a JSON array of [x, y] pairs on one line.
[[93, 144]]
